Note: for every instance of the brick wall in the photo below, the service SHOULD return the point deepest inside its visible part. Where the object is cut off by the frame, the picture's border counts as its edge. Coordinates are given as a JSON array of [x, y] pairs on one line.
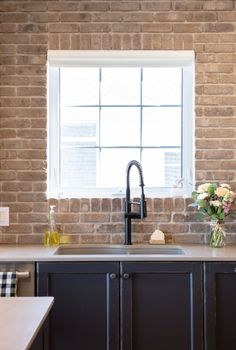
[[28, 28]]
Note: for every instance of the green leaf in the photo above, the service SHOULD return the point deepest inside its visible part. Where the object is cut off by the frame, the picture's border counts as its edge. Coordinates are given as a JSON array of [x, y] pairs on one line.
[[210, 211], [202, 203], [219, 210], [214, 217], [222, 216], [201, 216], [211, 189], [195, 195]]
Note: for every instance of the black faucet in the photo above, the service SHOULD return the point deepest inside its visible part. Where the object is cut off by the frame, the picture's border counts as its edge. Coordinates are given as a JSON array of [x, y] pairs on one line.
[[129, 214]]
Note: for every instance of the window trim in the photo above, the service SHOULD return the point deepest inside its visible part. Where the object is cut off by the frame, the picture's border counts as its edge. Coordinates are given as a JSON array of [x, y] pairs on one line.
[[91, 58]]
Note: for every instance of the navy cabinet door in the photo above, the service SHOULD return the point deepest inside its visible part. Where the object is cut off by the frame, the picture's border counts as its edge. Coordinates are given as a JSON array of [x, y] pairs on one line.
[[85, 314], [161, 306], [220, 306]]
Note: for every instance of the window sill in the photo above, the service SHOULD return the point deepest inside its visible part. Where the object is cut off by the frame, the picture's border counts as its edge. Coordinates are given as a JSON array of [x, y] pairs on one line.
[[120, 193]]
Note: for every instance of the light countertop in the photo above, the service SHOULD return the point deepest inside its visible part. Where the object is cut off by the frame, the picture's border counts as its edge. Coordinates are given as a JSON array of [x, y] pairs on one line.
[[195, 252], [21, 319]]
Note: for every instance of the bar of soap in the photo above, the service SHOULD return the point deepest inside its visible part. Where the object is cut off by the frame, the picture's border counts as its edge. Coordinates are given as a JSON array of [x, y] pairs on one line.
[[157, 237]]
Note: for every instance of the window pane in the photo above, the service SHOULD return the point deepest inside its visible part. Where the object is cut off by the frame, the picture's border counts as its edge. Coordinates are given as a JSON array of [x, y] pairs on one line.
[[120, 126], [79, 86], [120, 86], [162, 167], [162, 126], [79, 114], [79, 124], [78, 166], [162, 86], [113, 163], [79, 129]]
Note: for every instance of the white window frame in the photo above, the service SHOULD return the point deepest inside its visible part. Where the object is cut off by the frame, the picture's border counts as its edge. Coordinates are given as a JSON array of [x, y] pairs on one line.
[[113, 58]]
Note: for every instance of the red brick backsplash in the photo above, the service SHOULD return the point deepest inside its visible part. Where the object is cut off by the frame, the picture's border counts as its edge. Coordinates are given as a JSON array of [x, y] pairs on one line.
[[29, 28], [102, 221]]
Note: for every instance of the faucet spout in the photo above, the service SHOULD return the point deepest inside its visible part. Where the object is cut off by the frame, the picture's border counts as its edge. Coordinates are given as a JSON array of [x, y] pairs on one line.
[[129, 214]]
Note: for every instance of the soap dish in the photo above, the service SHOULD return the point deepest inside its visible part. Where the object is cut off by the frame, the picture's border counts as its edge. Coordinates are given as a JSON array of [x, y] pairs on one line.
[[156, 241], [157, 237]]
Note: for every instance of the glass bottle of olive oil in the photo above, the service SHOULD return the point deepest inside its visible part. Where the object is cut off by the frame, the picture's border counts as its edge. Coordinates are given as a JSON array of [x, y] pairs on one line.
[[51, 236]]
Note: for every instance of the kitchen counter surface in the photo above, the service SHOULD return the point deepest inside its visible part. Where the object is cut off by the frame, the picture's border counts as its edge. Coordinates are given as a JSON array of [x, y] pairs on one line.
[[191, 253], [20, 320]]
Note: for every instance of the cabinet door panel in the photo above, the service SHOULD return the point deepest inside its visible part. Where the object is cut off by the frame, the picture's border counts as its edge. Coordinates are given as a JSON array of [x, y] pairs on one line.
[[162, 306], [86, 307], [220, 306]]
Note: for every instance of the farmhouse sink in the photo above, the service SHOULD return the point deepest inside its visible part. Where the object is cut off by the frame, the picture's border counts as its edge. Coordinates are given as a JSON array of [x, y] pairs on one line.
[[119, 250]]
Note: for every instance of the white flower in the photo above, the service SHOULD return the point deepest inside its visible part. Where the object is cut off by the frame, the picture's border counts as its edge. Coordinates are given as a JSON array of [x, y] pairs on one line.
[[216, 203], [225, 186], [203, 188], [203, 195]]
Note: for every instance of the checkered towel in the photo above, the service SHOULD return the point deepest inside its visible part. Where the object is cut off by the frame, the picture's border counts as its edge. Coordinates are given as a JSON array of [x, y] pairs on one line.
[[8, 284]]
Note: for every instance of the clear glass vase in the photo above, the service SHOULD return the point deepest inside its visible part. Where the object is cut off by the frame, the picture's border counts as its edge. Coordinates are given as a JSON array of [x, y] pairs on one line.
[[217, 237]]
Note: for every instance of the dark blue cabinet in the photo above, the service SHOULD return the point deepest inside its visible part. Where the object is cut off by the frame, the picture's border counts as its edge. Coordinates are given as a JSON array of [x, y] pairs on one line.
[[161, 306], [85, 314], [220, 305], [123, 305]]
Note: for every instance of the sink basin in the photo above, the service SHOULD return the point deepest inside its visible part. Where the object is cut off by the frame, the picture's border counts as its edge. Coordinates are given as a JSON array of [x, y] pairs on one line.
[[119, 250]]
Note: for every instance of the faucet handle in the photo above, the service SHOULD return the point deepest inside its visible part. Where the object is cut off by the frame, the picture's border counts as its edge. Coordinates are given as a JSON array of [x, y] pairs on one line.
[[133, 215]]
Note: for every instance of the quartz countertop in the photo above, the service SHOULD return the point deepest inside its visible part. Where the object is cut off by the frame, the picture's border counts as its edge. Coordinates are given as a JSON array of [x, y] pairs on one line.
[[21, 319], [194, 252]]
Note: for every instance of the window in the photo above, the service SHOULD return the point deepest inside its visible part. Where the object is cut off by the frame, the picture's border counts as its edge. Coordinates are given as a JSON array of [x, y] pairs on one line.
[[109, 107]]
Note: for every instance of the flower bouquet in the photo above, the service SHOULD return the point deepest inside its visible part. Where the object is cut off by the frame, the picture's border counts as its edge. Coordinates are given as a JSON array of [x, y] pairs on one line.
[[216, 202]]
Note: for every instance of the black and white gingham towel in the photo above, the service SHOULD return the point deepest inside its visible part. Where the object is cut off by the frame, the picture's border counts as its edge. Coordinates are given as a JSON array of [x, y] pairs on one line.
[[8, 284]]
